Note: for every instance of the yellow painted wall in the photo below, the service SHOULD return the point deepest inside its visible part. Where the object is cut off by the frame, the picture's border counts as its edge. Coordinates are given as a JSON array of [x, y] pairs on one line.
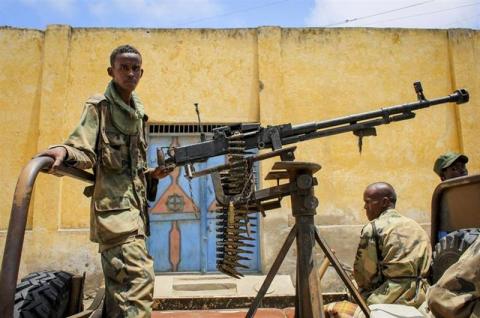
[[318, 74], [20, 80], [269, 74]]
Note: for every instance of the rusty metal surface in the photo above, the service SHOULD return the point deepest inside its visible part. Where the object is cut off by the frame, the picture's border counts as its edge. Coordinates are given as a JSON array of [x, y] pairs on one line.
[[237, 199], [308, 300], [238, 203], [16, 233], [460, 198], [275, 175], [343, 275], [276, 192], [272, 272], [249, 159], [217, 186], [296, 165], [16, 228], [75, 303]]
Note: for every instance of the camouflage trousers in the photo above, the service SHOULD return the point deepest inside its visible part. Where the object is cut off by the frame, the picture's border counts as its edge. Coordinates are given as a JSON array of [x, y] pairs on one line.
[[129, 279]]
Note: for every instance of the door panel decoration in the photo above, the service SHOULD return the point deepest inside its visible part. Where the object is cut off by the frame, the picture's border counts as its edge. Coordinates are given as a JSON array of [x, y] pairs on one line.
[[174, 198], [182, 219]]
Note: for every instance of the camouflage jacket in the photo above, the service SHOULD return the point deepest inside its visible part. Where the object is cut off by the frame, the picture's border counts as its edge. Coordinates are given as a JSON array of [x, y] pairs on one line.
[[110, 138], [457, 292], [392, 260]]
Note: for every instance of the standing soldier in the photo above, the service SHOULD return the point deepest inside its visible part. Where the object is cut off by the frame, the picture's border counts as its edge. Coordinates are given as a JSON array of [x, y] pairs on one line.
[[393, 255], [110, 138]]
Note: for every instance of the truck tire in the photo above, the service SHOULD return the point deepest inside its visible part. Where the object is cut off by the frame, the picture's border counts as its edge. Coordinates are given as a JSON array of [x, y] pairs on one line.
[[449, 249], [43, 295]]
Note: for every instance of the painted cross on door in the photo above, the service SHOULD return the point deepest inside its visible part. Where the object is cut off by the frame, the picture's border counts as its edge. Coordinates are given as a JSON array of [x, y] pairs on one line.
[[183, 236]]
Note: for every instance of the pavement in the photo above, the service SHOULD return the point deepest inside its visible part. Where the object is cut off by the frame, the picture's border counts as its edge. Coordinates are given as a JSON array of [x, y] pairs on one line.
[[207, 292], [220, 296], [192, 286], [198, 296]]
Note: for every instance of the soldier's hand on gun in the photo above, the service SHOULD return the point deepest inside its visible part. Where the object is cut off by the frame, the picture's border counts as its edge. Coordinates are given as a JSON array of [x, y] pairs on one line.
[[162, 171], [57, 153]]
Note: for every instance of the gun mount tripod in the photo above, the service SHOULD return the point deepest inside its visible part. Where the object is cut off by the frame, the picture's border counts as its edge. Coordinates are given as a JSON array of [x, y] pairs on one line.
[[300, 188], [308, 301]]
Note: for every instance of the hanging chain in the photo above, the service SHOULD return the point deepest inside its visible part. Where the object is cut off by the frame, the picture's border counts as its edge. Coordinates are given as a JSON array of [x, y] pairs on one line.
[[195, 210]]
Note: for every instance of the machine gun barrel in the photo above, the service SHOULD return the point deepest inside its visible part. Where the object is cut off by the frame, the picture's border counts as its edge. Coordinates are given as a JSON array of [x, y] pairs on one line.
[[256, 137], [378, 117]]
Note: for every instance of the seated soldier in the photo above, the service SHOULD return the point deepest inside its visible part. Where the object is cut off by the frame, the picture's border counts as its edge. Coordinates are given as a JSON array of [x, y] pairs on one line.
[[457, 292], [447, 166], [451, 165], [394, 254]]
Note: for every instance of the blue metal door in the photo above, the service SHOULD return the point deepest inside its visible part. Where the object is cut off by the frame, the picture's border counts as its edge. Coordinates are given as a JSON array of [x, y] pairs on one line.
[[183, 236]]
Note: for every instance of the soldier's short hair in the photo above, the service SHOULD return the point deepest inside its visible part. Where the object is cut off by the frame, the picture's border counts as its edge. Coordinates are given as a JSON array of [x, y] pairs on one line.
[[392, 196], [385, 189], [123, 49]]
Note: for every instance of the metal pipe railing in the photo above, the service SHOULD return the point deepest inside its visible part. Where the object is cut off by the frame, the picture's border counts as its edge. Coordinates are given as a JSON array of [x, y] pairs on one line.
[[18, 220]]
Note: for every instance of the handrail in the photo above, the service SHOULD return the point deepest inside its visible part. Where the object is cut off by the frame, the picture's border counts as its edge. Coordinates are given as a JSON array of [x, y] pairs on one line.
[[18, 220]]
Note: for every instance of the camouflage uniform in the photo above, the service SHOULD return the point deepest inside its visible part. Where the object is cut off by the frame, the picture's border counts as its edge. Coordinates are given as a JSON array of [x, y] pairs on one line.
[[111, 139], [397, 275], [457, 292]]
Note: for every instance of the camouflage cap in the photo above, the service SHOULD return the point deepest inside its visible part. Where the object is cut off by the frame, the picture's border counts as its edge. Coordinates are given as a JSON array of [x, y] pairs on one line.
[[445, 161]]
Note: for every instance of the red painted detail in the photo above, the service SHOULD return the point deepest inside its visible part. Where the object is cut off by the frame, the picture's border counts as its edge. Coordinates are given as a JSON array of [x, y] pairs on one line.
[[213, 206], [174, 246], [174, 189]]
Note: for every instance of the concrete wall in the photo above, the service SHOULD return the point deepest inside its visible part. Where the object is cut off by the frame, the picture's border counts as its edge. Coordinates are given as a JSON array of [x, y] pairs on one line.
[[271, 75]]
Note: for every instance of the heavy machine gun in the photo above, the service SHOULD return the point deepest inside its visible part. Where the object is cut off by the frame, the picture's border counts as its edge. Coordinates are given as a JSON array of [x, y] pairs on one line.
[[253, 136], [237, 198], [234, 182]]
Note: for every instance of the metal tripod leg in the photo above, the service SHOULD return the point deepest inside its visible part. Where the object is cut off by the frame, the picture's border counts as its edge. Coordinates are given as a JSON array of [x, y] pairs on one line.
[[310, 301], [343, 275], [273, 271]]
